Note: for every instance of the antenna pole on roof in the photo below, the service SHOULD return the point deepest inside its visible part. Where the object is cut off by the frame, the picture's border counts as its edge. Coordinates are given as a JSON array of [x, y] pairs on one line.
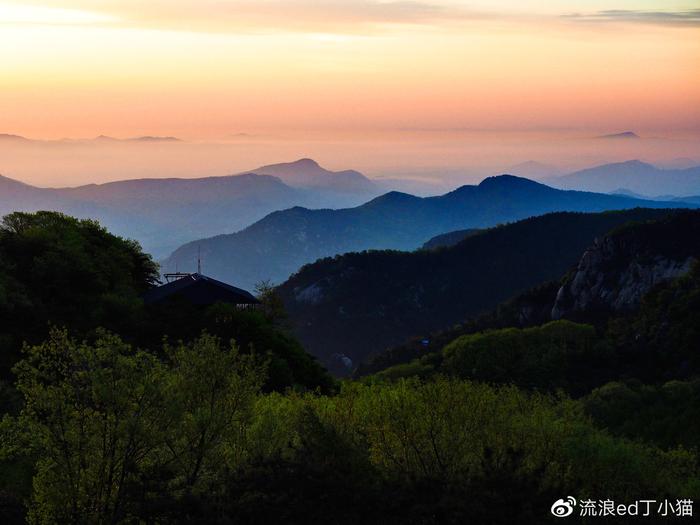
[[199, 259]]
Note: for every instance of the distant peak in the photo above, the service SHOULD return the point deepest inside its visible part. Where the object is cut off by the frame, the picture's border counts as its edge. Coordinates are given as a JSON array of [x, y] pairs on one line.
[[628, 193], [149, 138], [8, 181], [145, 138], [634, 163], [306, 162], [622, 135], [392, 197], [506, 180], [8, 136]]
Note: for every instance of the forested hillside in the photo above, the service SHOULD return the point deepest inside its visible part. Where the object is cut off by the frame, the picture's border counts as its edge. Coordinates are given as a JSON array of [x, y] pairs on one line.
[[360, 303], [636, 292], [57, 271], [181, 414]]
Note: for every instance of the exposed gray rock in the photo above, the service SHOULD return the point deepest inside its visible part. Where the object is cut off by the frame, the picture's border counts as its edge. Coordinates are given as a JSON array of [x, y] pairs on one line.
[[614, 276], [312, 294]]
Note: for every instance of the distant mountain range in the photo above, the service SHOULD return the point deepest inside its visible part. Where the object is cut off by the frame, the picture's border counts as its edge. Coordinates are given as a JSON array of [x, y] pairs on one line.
[[622, 135], [307, 173], [691, 199], [165, 213], [147, 138], [635, 176], [12, 138], [677, 163], [281, 243], [100, 138], [160, 213], [360, 303]]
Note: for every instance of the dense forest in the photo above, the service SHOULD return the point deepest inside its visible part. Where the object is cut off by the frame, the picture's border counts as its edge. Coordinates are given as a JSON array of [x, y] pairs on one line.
[[629, 293], [358, 304], [63, 272], [120, 412]]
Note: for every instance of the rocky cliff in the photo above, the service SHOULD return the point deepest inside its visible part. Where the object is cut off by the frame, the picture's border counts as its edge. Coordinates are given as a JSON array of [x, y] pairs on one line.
[[619, 269]]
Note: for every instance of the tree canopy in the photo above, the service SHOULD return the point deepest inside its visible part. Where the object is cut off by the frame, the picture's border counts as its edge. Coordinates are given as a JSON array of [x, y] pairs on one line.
[[58, 270]]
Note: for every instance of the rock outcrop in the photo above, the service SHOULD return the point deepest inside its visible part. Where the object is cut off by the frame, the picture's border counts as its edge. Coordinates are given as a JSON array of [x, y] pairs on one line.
[[618, 270]]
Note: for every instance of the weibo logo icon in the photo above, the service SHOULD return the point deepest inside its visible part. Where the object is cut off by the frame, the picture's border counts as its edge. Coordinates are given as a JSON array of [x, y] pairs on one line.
[[562, 508]]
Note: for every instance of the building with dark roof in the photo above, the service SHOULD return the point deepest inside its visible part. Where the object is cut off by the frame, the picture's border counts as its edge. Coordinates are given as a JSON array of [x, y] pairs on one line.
[[200, 290]]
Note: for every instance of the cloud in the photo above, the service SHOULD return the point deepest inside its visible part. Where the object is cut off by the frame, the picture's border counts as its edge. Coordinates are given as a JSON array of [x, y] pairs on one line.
[[320, 16], [689, 18], [18, 14], [323, 17]]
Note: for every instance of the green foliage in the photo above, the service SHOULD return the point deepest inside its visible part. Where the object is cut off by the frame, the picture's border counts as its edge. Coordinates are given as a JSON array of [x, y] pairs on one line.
[[114, 429], [421, 368], [529, 308], [656, 344], [212, 393], [661, 340], [657, 340], [59, 271], [119, 435], [191, 430], [442, 451], [289, 366], [272, 303], [557, 355], [67, 272], [667, 415]]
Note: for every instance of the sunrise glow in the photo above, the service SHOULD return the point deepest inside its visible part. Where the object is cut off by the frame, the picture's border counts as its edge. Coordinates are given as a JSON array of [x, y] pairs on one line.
[[208, 69]]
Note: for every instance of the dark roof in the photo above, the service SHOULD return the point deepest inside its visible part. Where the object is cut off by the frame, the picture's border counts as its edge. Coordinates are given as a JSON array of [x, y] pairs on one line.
[[199, 289]]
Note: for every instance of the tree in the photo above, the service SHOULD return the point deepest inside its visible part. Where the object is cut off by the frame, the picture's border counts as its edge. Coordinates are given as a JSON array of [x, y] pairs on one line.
[[116, 431], [67, 272], [213, 392], [272, 302], [96, 416]]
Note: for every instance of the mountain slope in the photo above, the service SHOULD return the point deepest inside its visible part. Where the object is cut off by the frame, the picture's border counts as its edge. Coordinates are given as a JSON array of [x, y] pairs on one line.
[[635, 176], [639, 285], [618, 270], [165, 213], [282, 242], [623, 135], [448, 239], [161, 213], [361, 303], [307, 173], [17, 196]]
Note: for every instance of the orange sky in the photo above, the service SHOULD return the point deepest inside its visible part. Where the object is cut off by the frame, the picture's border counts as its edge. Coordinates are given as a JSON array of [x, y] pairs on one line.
[[203, 69]]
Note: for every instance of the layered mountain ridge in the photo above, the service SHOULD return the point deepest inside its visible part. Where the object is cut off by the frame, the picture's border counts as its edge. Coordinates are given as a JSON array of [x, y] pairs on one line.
[[281, 243], [163, 213], [635, 176]]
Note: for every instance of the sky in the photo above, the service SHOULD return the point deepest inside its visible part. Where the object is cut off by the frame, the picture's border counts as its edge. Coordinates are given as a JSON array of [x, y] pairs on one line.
[[216, 70]]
